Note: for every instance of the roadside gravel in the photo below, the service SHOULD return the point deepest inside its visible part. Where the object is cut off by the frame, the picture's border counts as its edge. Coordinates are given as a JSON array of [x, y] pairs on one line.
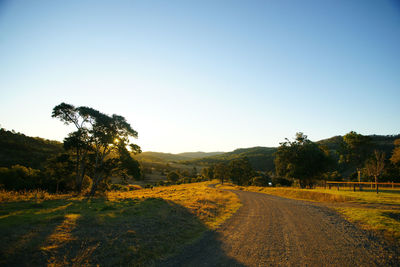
[[273, 231]]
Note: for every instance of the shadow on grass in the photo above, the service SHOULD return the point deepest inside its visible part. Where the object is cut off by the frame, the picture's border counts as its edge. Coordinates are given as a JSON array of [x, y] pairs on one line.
[[206, 251], [134, 232]]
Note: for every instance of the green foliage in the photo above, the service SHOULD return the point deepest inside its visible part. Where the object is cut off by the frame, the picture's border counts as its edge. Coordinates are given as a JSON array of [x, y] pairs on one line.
[[158, 157], [355, 149], [301, 159], [98, 137], [59, 171], [395, 159], [173, 176], [221, 171], [19, 177], [208, 173], [261, 180], [240, 171], [281, 181], [260, 158], [18, 149]]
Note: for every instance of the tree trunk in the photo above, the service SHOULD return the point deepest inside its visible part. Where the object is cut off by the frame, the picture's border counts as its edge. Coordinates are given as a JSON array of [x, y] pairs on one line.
[[94, 188], [376, 184]]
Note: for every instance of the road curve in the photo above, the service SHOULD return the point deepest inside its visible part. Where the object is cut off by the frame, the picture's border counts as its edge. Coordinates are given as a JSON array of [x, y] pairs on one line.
[[273, 231]]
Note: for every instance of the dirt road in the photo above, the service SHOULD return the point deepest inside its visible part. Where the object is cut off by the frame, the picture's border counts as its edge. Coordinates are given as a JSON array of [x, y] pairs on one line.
[[274, 231]]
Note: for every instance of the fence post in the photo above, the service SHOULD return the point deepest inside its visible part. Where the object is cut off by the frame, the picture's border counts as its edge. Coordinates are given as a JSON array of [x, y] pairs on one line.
[[354, 187]]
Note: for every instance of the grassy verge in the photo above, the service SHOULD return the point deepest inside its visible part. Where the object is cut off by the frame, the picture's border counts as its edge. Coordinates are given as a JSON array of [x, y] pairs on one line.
[[132, 228], [371, 211]]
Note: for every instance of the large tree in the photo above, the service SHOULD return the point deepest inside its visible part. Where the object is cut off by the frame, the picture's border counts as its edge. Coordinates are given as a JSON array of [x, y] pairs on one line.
[[240, 171], [301, 159], [355, 149], [100, 142]]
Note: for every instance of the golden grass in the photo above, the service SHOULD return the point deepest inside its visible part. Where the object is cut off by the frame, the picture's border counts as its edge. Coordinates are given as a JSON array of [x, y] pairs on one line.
[[31, 195], [62, 233], [387, 197], [302, 194], [211, 206], [385, 221], [118, 229]]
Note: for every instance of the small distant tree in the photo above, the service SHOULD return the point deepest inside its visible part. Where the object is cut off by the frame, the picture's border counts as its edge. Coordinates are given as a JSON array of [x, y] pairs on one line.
[[221, 172], [173, 176], [208, 173], [301, 159], [59, 171], [375, 166], [261, 179]]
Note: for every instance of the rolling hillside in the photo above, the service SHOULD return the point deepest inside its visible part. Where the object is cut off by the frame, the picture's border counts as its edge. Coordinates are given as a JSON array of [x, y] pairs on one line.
[[261, 158], [159, 157], [17, 148]]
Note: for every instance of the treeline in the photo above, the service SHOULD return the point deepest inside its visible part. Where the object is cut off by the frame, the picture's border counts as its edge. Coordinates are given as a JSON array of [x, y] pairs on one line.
[[97, 149], [260, 158], [17, 148], [352, 157], [239, 171], [355, 158]]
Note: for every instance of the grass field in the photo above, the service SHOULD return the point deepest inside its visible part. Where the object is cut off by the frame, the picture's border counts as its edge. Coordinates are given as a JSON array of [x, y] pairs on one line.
[[132, 228], [377, 212]]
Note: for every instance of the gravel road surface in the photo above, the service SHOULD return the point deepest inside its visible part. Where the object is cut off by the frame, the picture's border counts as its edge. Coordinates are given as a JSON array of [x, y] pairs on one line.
[[273, 231]]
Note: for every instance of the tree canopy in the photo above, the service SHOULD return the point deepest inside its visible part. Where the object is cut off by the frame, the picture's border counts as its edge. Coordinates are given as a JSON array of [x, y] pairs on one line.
[[99, 143], [301, 159]]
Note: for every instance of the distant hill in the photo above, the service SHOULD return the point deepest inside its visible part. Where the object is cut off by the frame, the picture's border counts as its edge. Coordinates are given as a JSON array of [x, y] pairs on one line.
[[378, 142], [261, 158], [17, 148], [159, 157]]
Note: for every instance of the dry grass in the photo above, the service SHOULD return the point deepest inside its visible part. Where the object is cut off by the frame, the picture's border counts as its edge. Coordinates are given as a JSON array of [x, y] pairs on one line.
[[31, 195], [133, 228], [294, 193], [385, 221], [211, 206]]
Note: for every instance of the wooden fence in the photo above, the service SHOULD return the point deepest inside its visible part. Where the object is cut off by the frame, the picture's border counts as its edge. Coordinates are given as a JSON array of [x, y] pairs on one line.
[[361, 185]]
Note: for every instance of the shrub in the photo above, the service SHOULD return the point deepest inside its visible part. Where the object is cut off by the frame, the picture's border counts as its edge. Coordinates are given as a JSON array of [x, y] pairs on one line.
[[173, 176], [280, 181], [19, 178], [261, 180]]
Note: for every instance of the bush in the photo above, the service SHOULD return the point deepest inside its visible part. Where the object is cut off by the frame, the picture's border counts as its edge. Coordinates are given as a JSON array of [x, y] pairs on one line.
[[173, 176], [280, 181], [20, 178], [261, 180], [119, 187]]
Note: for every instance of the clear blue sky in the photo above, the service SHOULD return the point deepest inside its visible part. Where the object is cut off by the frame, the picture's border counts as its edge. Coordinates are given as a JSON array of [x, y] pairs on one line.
[[204, 75]]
